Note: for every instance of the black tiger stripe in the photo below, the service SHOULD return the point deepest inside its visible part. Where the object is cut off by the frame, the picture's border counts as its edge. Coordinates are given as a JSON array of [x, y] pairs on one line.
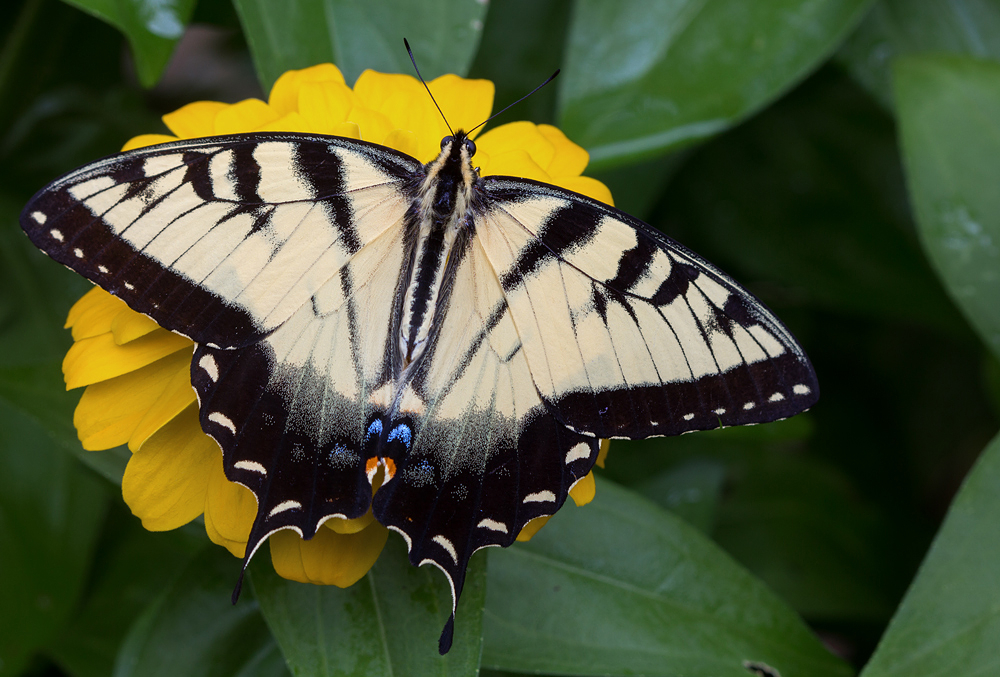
[[570, 226], [244, 172]]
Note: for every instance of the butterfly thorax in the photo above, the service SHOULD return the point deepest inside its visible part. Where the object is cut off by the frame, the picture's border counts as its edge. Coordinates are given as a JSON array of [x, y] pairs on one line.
[[441, 210]]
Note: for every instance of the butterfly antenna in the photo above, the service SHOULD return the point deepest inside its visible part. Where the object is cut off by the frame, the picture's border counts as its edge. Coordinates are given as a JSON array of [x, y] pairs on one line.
[[550, 79], [424, 83]]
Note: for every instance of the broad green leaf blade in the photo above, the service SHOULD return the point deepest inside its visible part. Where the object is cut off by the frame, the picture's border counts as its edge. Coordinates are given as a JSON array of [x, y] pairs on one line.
[[132, 567], [895, 28], [355, 36], [644, 77], [387, 623], [807, 202], [38, 294], [194, 629], [949, 119], [622, 587], [948, 623], [51, 510], [152, 27], [522, 45]]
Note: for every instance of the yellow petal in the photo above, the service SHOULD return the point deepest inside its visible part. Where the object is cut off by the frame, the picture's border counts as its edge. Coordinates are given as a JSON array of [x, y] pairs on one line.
[[404, 141], [586, 186], [328, 558], [515, 163], [292, 122], [110, 411], [245, 116], [466, 103], [166, 480], [229, 511], [373, 125], [388, 93], [129, 325], [532, 528], [402, 101], [195, 119], [518, 136], [99, 358], [349, 130], [583, 492], [144, 140], [94, 313], [569, 159], [177, 396], [284, 96], [352, 526], [325, 105]]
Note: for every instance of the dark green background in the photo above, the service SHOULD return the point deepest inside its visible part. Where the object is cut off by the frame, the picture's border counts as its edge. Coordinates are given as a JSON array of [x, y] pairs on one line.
[[840, 158]]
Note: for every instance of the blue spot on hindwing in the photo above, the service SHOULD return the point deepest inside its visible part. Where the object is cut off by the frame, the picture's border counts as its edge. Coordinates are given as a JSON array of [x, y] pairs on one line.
[[402, 433], [374, 429]]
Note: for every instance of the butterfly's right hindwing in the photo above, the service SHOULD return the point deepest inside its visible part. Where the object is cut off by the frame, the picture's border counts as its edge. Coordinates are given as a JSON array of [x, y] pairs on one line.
[[221, 239]]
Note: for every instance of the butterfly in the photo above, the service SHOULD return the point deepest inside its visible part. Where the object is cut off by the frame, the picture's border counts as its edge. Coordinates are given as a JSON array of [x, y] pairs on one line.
[[357, 313]]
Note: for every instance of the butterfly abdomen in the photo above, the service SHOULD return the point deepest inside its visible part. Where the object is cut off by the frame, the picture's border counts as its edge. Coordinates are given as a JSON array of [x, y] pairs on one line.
[[441, 205]]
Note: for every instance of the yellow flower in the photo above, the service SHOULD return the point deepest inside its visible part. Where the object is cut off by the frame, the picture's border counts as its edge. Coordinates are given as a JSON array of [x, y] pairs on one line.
[[137, 375]]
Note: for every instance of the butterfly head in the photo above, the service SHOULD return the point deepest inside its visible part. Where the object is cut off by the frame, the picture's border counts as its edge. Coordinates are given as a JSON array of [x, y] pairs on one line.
[[458, 146]]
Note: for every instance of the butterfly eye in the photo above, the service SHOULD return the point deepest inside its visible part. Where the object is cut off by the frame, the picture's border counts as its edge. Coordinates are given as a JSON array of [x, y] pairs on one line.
[[470, 146], [446, 140]]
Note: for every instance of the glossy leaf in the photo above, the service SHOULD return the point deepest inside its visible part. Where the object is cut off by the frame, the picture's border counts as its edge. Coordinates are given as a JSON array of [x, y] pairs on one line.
[[194, 629], [152, 27], [522, 45], [622, 587], [949, 115], [51, 510], [807, 204], [356, 36], [131, 568], [387, 623], [644, 77], [38, 294], [948, 624], [895, 28]]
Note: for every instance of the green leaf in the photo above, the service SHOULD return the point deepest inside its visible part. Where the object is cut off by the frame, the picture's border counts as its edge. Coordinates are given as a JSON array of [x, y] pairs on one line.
[[622, 587], [153, 28], [806, 204], [895, 28], [442, 33], [194, 629], [387, 623], [949, 116], [51, 510], [644, 77], [522, 45], [131, 568], [33, 341], [948, 623]]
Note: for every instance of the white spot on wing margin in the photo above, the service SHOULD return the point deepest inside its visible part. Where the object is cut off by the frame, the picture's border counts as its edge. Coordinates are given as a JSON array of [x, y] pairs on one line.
[[223, 420], [447, 545]]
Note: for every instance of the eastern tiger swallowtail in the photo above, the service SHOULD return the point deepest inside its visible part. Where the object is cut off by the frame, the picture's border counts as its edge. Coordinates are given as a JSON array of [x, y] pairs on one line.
[[355, 309]]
